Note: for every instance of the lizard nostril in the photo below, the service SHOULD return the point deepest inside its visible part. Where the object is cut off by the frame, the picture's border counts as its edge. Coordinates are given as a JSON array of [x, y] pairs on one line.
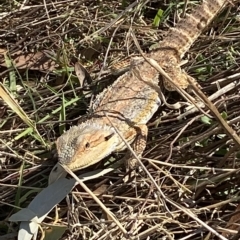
[[108, 137]]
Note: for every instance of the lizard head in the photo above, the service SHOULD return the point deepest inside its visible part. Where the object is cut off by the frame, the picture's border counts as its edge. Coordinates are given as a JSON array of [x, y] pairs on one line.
[[86, 144]]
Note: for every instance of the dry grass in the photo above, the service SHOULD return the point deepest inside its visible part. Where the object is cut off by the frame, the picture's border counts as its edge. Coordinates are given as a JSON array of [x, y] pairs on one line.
[[195, 163]]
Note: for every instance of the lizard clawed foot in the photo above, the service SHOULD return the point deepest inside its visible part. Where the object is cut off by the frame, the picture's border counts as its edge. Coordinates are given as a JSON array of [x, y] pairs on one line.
[[138, 146], [131, 164]]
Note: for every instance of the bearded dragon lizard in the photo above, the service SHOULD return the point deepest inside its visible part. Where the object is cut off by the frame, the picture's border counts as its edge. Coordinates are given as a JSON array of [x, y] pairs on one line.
[[130, 102]]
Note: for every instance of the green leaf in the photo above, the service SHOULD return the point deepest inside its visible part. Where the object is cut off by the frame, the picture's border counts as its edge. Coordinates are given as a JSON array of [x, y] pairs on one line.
[[12, 75], [206, 120], [221, 136], [158, 18], [62, 116], [224, 115], [54, 232]]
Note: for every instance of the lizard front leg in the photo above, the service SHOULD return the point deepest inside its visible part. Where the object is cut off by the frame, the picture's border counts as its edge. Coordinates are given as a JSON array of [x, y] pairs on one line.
[[138, 146]]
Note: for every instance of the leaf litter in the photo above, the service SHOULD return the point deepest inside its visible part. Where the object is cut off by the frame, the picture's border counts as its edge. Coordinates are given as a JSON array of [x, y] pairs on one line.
[[190, 157]]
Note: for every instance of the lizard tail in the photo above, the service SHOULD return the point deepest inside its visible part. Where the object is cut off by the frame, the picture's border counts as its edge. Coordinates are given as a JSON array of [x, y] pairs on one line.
[[188, 29]]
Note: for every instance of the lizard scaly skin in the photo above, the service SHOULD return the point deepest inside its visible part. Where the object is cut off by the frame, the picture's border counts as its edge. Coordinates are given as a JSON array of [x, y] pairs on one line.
[[130, 102]]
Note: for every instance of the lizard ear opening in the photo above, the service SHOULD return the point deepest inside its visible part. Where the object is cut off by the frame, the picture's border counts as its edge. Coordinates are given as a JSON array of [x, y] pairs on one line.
[[87, 145], [108, 137]]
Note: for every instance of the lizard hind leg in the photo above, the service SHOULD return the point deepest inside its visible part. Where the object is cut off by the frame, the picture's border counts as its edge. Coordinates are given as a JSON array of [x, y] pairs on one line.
[[138, 146]]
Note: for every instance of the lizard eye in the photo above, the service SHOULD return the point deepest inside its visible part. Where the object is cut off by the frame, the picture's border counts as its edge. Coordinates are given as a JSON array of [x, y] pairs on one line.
[[109, 136], [87, 145]]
